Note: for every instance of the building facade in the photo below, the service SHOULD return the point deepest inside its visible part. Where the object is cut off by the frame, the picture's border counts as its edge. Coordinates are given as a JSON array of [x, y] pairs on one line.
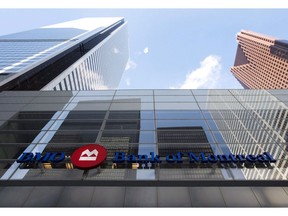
[[261, 61], [74, 55], [162, 148]]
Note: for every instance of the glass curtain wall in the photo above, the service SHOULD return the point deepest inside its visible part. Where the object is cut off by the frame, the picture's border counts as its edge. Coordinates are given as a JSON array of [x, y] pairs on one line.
[[141, 122]]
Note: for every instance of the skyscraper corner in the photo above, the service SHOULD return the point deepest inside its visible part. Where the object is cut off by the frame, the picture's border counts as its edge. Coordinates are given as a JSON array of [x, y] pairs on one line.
[[261, 61], [83, 54]]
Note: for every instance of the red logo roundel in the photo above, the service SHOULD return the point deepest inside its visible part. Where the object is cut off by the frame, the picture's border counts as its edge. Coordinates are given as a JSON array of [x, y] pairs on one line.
[[88, 156]]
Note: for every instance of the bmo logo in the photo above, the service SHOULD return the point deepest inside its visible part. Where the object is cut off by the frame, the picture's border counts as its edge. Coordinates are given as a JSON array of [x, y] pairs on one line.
[[88, 156]]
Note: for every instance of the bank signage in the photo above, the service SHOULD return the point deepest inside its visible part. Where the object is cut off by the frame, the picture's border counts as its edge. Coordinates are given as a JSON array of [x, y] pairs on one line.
[[88, 156], [92, 155], [85, 157], [266, 157]]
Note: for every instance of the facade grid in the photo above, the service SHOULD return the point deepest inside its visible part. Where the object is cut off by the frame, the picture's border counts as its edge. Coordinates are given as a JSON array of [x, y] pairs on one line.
[[143, 121]]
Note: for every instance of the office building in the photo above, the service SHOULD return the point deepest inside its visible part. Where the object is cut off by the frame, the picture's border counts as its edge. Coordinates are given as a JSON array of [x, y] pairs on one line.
[[261, 61], [84, 54], [166, 148]]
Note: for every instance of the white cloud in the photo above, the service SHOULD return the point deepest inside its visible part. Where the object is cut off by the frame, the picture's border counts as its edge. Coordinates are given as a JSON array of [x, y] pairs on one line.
[[146, 50], [115, 50], [206, 76], [127, 81], [130, 65]]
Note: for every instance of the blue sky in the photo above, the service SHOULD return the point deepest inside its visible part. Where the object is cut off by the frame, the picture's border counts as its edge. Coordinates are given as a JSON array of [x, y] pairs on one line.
[[169, 48]]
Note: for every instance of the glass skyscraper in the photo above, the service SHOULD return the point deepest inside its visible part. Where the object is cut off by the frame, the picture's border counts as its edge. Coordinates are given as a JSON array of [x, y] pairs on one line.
[[261, 61], [84, 54], [72, 145], [175, 147]]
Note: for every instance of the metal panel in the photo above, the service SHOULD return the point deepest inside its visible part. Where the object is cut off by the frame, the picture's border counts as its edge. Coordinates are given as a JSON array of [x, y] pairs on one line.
[[108, 197], [206, 197], [14, 196], [271, 196], [76, 197], [239, 197], [173, 197], [44, 197], [141, 197]]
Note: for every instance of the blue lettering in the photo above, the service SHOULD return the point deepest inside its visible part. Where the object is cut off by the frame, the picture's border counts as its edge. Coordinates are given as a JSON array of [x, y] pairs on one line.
[[142, 158], [119, 157], [179, 157], [233, 158], [131, 158], [57, 157], [212, 158], [39, 158], [241, 158], [154, 158], [193, 158], [262, 158], [26, 157], [170, 158], [251, 158], [269, 157], [224, 158]]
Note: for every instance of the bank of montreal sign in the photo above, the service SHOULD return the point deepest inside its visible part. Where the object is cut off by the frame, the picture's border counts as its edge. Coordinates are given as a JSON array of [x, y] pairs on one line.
[[92, 155]]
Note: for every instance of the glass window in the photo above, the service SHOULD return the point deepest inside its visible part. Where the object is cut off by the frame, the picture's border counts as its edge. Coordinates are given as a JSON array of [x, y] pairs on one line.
[[171, 92], [147, 114], [185, 99], [212, 125], [89, 106], [18, 136], [221, 106], [215, 98], [120, 98], [133, 114], [174, 114], [218, 137], [26, 115], [134, 92], [51, 100], [17, 94], [98, 99], [43, 107], [86, 115], [11, 107], [75, 136], [256, 98], [147, 125], [131, 106], [81, 125], [120, 136], [53, 94], [182, 135], [23, 125], [96, 93], [277, 91], [249, 92], [13, 100], [211, 92], [145, 149], [181, 123], [179, 106], [147, 137], [122, 124], [11, 151]]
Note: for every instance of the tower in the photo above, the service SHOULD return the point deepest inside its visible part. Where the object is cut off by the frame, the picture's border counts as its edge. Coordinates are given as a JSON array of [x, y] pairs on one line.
[[83, 54], [261, 61]]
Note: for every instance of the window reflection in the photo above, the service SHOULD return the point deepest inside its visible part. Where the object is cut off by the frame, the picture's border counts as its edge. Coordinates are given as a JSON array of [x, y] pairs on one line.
[[228, 122]]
